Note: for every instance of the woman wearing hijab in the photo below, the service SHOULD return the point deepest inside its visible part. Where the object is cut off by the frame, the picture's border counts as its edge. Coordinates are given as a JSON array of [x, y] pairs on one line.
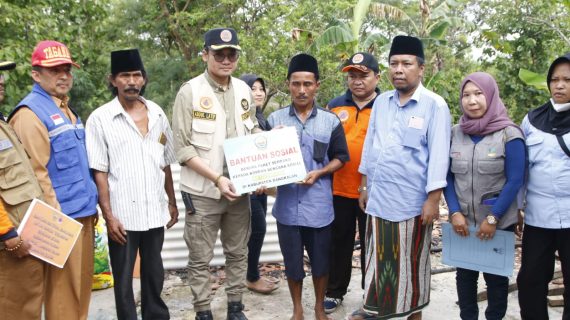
[[255, 282], [486, 172], [547, 213]]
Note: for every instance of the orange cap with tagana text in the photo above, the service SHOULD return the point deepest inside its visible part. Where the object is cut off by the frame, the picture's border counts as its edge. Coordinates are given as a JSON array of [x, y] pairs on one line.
[[49, 53]]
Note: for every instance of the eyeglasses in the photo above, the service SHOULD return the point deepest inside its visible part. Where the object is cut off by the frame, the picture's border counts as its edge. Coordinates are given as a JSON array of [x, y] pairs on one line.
[[220, 57]]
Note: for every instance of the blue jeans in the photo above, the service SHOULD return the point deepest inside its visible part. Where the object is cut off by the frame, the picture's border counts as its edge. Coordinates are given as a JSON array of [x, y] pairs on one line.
[[497, 292], [258, 228]]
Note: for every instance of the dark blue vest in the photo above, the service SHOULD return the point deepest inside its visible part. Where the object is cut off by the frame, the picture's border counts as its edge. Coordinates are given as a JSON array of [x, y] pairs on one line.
[[68, 167]]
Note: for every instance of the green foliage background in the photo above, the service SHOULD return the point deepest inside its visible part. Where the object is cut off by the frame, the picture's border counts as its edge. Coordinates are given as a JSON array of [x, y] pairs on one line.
[[460, 36]]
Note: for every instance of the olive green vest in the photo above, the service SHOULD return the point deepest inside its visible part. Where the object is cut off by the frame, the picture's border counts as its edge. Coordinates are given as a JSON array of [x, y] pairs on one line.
[[18, 183]]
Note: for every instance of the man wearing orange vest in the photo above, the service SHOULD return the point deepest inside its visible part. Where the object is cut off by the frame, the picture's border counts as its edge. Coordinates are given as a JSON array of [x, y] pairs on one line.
[[353, 108]]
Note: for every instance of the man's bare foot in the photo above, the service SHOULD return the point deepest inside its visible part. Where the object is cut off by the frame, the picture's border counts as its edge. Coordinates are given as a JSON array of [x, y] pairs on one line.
[[415, 316], [321, 315], [297, 315], [262, 286]]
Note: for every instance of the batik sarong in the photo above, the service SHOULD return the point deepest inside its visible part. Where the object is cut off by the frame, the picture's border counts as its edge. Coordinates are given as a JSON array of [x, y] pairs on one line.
[[398, 269]]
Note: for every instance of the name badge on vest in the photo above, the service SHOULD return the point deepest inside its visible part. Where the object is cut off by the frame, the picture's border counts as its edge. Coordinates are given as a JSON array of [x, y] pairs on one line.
[[57, 119], [5, 144], [204, 115]]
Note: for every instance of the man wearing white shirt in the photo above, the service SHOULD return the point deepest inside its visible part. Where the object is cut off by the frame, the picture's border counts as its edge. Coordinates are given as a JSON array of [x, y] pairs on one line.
[[129, 144]]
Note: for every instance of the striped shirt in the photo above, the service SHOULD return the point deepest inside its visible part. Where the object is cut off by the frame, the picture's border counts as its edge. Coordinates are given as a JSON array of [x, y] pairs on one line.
[[134, 163]]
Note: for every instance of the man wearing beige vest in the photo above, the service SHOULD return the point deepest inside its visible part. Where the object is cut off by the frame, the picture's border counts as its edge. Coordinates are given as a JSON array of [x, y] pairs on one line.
[[209, 109], [21, 289]]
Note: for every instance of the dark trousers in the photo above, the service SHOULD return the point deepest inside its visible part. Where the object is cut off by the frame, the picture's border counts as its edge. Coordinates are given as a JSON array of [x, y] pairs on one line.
[[497, 294], [149, 244], [537, 269], [346, 214], [258, 229]]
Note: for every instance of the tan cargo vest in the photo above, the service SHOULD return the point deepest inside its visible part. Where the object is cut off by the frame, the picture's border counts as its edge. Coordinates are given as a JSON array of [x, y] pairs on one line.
[[18, 183], [209, 132]]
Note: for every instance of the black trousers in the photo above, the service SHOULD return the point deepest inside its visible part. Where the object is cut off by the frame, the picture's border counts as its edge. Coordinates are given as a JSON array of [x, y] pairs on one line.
[[149, 244], [537, 269], [346, 214]]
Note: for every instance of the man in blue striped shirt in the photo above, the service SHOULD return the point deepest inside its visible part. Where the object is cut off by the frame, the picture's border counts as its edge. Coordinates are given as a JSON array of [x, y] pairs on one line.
[[304, 210], [404, 166]]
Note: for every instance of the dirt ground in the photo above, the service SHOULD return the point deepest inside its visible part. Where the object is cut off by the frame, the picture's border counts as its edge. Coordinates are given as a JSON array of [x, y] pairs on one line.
[[278, 306]]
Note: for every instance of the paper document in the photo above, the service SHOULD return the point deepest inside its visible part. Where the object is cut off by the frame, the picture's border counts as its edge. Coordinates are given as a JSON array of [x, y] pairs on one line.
[[494, 256], [271, 158], [52, 234]]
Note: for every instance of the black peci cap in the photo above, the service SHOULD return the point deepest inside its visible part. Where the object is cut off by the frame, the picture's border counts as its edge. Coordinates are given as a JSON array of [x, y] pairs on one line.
[[407, 45], [303, 62], [126, 60]]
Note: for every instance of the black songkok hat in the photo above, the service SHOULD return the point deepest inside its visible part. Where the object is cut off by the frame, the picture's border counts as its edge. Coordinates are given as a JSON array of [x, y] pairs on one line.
[[126, 60], [303, 62], [559, 60], [220, 38], [407, 45]]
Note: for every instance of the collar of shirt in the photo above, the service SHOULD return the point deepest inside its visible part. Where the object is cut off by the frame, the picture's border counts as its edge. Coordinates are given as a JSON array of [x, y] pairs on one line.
[[293, 111], [395, 96], [350, 101], [63, 105], [216, 86], [153, 114]]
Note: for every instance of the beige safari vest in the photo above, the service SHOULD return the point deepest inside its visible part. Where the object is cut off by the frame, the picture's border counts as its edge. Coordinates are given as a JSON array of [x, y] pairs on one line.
[[18, 183], [479, 171], [209, 132]]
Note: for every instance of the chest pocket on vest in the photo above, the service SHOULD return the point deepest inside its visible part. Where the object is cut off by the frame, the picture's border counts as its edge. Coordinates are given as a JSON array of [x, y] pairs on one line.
[[13, 178], [66, 156], [493, 163], [203, 134], [459, 166]]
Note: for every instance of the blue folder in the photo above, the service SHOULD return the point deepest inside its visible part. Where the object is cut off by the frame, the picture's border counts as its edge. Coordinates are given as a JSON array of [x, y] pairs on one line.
[[494, 256]]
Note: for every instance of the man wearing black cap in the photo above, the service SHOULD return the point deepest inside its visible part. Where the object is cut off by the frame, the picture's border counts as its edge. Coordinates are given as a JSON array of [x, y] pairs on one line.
[[304, 210], [129, 144], [353, 109], [404, 167], [209, 109], [21, 294]]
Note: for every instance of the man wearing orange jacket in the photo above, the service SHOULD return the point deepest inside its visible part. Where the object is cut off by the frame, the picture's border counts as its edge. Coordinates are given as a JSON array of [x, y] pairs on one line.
[[353, 108]]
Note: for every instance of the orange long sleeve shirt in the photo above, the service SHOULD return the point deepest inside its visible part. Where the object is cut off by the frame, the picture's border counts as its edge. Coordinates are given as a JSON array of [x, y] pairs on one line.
[[6, 225]]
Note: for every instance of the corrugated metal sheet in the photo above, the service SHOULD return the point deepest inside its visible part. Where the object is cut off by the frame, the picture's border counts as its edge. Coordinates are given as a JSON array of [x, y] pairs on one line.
[[175, 252]]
